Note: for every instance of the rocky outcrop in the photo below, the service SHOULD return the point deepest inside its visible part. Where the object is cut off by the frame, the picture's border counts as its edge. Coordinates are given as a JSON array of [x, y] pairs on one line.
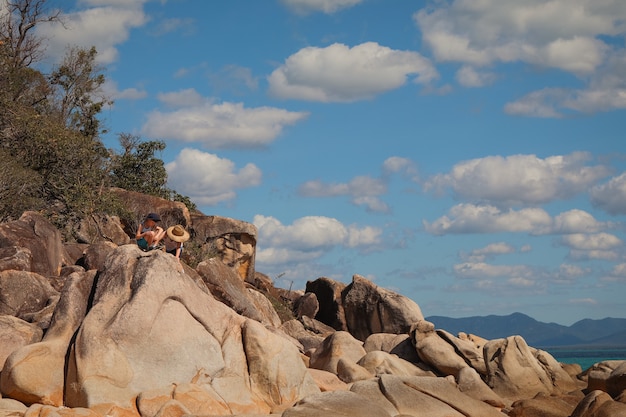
[[125, 333], [37, 235], [232, 241]]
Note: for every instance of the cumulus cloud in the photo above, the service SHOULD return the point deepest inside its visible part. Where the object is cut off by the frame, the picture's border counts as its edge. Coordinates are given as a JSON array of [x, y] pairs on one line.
[[308, 238], [471, 218], [105, 25], [501, 278], [520, 179], [338, 73], [468, 76], [325, 6], [403, 166], [481, 34], [208, 179], [225, 125], [363, 191], [611, 196], [507, 30], [488, 252], [602, 246], [110, 89]]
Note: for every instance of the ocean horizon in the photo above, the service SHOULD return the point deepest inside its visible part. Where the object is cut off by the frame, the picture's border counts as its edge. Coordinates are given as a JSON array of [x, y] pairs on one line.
[[586, 356]]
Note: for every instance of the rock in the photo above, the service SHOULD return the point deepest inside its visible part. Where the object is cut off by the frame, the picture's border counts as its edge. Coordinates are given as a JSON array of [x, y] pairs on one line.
[[308, 339], [599, 373], [36, 372], [95, 255], [370, 309], [14, 334], [543, 405], [336, 404], [339, 345], [152, 326], [101, 228], [232, 241], [599, 404], [348, 371], [328, 293], [24, 292], [467, 350], [380, 363], [227, 287], [35, 233], [397, 344], [307, 305], [616, 382], [435, 351], [15, 257], [327, 381], [517, 372], [470, 383]]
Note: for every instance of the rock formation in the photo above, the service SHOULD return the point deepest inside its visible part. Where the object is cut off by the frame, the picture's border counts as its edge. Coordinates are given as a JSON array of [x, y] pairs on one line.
[[96, 327]]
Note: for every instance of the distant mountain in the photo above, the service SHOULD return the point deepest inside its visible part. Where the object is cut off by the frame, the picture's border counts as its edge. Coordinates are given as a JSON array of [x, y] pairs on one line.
[[608, 332]]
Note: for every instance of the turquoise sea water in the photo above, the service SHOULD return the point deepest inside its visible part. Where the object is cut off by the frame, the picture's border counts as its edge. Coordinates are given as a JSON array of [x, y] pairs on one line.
[[586, 357]]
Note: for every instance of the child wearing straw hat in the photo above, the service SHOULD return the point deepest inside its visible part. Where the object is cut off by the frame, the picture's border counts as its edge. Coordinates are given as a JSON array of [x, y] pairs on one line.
[[175, 237]]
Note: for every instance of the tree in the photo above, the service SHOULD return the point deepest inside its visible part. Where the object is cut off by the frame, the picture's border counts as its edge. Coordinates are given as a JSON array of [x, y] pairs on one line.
[[79, 99], [19, 47], [137, 168]]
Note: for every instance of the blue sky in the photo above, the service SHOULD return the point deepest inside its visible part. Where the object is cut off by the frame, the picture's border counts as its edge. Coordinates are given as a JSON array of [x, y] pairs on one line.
[[468, 155]]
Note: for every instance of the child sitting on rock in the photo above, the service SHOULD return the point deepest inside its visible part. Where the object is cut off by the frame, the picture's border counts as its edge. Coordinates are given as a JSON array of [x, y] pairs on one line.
[[149, 234], [175, 237]]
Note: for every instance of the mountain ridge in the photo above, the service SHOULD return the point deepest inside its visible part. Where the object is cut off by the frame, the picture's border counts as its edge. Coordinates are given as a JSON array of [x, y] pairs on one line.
[[606, 332]]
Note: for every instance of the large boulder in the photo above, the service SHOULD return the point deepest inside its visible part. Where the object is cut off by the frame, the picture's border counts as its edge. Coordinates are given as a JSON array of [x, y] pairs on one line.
[[395, 396], [232, 241], [371, 309], [226, 286], [339, 345], [24, 292], [435, 351], [36, 372], [328, 293], [152, 325], [515, 371], [16, 333], [35, 233]]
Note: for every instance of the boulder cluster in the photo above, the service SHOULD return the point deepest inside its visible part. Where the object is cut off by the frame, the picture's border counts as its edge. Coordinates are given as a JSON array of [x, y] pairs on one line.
[[97, 327]]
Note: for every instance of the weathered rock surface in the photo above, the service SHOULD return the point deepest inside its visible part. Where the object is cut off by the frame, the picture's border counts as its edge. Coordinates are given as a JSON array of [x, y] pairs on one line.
[[33, 232], [151, 326], [124, 333], [371, 309]]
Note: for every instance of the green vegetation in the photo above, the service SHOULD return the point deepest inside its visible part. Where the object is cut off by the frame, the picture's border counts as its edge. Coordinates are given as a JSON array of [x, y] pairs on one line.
[[53, 157]]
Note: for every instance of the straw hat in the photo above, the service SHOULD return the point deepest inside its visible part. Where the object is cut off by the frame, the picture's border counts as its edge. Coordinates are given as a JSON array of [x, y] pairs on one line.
[[178, 233]]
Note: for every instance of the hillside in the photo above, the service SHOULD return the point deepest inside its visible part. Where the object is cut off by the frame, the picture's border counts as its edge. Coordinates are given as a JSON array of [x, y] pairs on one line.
[[607, 332]]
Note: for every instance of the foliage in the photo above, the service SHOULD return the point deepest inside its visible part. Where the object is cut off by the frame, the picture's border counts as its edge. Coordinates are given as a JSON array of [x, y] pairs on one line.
[[53, 157], [137, 168]]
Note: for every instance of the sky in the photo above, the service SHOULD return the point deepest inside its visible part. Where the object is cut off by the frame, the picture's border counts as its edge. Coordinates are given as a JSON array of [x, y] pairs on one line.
[[467, 154]]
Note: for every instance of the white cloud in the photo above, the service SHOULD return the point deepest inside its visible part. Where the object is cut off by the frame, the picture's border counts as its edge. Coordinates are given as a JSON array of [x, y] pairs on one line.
[[468, 76], [480, 34], [363, 190], [326, 6], [105, 26], [343, 74], [507, 30], [182, 98], [611, 196], [470, 218], [520, 179], [602, 246], [488, 252], [110, 90], [404, 166], [208, 179], [226, 125], [308, 238]]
